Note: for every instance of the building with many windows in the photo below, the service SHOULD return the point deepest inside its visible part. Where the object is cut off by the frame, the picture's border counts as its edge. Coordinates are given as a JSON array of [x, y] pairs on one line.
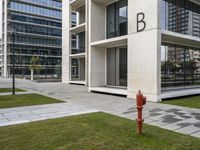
[[1, 52], [37, 26], [1, 57], [123, 46], [181, 20], [75, 45]]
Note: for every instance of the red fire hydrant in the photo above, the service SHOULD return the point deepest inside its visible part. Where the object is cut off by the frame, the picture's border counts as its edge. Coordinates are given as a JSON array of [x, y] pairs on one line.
[[141, 100]]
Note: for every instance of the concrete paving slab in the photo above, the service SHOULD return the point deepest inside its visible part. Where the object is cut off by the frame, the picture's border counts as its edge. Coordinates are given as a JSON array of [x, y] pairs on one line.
[[80, 101], [197, 134]]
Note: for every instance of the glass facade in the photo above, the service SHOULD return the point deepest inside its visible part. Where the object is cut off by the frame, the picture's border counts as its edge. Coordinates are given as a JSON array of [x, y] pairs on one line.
[[78, 69], [78, 43], [34, 9], [117, 19], [77, 46], [1, 57], [73, 19], [27, 28], [117, 66], [40, 41], [49, 3], [180, 66], [181, 16], [38, 31], [35, 20]]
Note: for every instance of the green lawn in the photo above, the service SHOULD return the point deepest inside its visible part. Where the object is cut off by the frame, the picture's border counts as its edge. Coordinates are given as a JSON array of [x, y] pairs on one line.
[[97, 131], [4, 90], [9, 101], [192, 102]]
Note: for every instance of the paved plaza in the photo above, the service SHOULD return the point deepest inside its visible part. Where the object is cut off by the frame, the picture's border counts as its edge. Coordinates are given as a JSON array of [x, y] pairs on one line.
[[79, 101]]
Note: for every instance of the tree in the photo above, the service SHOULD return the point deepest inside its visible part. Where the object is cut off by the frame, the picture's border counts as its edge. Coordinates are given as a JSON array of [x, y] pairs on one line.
[[168, 67], [35, 66]]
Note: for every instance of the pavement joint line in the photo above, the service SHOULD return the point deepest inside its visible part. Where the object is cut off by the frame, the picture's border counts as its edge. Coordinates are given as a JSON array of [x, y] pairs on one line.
[[195, 132], [79, 99]]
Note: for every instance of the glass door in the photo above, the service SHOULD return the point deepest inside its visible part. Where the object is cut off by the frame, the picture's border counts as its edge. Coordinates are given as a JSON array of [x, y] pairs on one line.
[[117, 66]]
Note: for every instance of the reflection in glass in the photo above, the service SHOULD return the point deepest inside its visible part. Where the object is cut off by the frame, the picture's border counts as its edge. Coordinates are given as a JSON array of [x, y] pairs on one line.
[[180, 16], [117, 18], [38, 28], [73, 19], [35, 20], [111, 29], [123, 17], [34, 9], [78, 43], [180, 66], [117, 66], [78, 69]]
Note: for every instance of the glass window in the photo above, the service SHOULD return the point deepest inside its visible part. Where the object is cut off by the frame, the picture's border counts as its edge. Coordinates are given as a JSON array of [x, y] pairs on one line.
[[180, 66], [117, 66], [117, 19], [78, 69], [123, 17], [181, 16], [73, 19], [51, 3], [36, 10], [78, 43], [111, 25], [35, 20]]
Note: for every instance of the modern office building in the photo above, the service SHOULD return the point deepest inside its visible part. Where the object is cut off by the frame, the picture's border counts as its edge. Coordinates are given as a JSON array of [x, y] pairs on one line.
[[1, 52], [1, 57], [37, 26], [123, 46], [75, 44]]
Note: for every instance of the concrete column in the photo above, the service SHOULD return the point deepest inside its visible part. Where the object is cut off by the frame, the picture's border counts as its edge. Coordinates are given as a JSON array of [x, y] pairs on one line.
[[32, 74], [66, 24], [97, 22], [97, 67], [96, 55], [86, 41], [144, 48]]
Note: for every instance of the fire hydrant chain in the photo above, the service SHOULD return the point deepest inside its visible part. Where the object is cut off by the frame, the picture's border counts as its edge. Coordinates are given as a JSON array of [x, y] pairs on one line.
[[140, 100]]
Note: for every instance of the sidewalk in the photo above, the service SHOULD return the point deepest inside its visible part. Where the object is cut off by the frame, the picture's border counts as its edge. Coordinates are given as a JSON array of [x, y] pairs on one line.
[[27, 114], [79, 100]]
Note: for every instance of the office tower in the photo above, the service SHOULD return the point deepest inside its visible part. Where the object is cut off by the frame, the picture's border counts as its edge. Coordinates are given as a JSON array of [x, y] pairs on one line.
[[36, 26]]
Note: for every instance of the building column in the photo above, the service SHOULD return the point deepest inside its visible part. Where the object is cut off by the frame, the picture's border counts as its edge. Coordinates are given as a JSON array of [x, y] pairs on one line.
[[66, 42], [144, 44], [96, 55]]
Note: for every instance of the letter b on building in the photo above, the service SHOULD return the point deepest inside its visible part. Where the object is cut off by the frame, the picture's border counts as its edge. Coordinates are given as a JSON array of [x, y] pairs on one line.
[[141, 24]]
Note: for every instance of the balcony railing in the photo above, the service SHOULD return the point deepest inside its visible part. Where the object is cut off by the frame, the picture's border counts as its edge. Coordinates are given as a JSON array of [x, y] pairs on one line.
[[78, 51]]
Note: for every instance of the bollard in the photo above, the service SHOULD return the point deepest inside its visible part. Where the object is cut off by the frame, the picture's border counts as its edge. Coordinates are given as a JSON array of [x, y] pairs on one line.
[[141, 100]]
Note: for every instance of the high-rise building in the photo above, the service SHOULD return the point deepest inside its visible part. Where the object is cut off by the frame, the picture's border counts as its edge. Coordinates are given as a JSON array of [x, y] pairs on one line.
[[122, 46], [182, 62], [182, 20], [36, 26], [1, 52], [1, 57]]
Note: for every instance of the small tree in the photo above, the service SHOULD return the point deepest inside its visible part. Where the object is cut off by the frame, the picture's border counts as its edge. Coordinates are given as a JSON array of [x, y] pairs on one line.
[[35, 66]]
